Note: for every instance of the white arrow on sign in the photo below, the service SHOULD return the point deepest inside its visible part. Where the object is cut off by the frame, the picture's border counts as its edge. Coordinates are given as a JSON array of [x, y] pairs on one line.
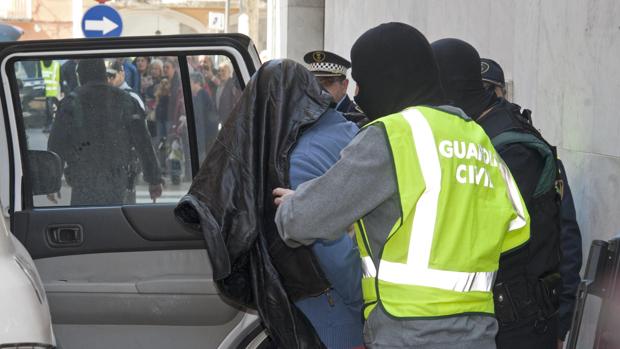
[[104, 25]]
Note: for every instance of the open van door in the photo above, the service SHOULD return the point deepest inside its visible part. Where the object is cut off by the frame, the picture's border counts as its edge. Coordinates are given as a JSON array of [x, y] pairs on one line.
[[124, 273]]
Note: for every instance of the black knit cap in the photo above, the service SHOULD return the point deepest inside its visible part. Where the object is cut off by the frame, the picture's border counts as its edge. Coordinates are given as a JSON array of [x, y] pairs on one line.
[[459, 64], [91, 70], [394, 67]]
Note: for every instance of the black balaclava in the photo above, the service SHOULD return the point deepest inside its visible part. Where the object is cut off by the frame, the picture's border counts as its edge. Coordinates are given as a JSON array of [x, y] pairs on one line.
[[394, 67], [459, 67], [91, 70]]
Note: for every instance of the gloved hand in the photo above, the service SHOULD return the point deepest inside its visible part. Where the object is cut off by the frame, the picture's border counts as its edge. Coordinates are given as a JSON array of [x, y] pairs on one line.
[[155, 190]]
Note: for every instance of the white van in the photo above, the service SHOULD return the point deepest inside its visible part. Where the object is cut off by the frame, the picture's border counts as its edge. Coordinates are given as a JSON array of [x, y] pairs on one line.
[[25, 320], [122, 274]]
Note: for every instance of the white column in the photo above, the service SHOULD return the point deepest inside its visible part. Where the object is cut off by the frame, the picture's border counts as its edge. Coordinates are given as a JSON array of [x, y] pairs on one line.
[[304, 27], [226, 15], [276, 28], [29, 10], [76, 15], [243, 24]]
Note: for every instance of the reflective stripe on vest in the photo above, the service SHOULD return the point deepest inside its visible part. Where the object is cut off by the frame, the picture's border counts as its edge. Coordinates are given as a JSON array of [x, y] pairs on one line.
[[416, 271], [455, 291], [368, 267]]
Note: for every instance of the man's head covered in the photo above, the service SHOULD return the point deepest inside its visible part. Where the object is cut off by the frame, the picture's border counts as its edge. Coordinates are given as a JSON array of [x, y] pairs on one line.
[[459, 66], [394, 68], [91, 70], [290, 82]]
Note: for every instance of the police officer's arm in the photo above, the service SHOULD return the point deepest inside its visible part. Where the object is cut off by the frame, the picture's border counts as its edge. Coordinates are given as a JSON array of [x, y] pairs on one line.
[[519, 228], [141, 141], [570, 264], [325, 207], [59, 139]]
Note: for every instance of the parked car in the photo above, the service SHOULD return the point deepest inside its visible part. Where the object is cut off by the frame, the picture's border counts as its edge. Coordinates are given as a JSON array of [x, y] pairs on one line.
[[10, 32], [29, 80], [25, 313], [123, 275], [25, 319], [31, 91]]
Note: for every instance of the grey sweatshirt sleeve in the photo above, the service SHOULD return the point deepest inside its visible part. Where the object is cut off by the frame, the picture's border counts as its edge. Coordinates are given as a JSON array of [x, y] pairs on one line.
[[324, 207]]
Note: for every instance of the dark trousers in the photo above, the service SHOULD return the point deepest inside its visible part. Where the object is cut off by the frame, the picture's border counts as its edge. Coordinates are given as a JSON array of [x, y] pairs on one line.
[[99, 188], [530, 334], [51, 105]]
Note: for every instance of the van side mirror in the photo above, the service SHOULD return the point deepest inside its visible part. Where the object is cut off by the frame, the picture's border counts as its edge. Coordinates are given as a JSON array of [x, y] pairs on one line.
[[45, 172]]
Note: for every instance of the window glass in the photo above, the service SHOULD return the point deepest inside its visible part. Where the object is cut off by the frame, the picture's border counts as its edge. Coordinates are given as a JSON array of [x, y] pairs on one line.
[[215, 90], [117, 123]]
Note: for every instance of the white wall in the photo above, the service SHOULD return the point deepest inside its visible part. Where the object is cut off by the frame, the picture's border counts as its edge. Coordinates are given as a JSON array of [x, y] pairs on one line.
[[294, 27], [138, 22], [564, 59], [305, 27]]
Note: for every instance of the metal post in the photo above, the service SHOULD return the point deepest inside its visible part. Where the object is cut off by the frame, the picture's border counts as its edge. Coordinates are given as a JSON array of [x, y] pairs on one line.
[[226, 14], [253, 11], [592, 283], [76, 16]]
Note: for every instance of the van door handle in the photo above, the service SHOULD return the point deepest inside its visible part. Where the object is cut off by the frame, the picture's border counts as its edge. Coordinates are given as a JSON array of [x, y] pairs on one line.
[[65, 235]]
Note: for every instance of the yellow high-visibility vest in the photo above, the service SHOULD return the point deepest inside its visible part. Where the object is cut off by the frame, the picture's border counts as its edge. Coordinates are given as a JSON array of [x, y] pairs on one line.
[[460, 209], [51, 77]]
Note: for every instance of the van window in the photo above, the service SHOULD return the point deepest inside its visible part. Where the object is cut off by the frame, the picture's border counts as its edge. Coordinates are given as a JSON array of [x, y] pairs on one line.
[[120, 124]]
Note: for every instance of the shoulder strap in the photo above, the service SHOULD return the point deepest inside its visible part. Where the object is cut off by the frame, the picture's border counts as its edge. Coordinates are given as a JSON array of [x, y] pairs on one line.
[[549, 173]]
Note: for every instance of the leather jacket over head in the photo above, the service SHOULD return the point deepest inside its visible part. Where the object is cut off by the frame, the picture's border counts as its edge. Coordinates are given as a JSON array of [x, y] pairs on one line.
[[230, 202]]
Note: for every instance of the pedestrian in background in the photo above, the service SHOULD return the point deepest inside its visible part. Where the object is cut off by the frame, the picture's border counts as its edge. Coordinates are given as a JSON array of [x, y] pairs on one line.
[[50, 71], [68, 78], [205, 116], [227, 92], [142, 66], [116, 77], [99, 132]]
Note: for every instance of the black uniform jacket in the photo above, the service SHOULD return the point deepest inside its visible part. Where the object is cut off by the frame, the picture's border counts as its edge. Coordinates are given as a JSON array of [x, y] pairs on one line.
[[230, 201], [522, 268], [526, 166], [570, 265], [99, 132], [347, 106]]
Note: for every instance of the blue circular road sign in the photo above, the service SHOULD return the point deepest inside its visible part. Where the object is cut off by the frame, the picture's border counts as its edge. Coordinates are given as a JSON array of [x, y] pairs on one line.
[[102, 21]]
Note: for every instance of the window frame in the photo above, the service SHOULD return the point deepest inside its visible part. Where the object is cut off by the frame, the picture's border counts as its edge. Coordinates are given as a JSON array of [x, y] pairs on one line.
[[16, 132]]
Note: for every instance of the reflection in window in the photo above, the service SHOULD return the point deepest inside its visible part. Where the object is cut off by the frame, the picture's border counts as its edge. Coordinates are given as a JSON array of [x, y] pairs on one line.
[[103, 127], [215, 91], [119, 123]]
